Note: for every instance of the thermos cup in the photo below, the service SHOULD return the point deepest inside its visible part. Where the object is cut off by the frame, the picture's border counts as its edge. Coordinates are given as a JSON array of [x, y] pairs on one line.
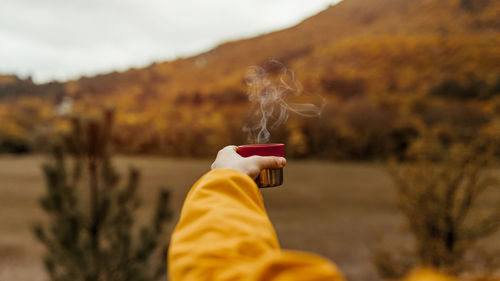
[[267, 177]]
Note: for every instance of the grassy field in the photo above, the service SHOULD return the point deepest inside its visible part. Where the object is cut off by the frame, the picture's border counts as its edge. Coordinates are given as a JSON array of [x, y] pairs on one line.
[[335, 210]]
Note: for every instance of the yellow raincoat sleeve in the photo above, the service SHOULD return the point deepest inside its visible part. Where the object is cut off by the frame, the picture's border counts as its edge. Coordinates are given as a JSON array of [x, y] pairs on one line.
[[224, 233]]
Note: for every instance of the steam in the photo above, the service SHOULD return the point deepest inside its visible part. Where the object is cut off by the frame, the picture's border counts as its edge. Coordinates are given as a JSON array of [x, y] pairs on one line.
[[272, 90]]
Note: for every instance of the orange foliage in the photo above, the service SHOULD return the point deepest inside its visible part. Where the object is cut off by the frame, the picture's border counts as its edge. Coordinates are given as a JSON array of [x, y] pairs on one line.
[[388, 70]]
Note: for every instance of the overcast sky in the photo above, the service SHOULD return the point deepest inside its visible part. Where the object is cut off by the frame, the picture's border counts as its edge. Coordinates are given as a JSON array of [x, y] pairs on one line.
[[64, 39]]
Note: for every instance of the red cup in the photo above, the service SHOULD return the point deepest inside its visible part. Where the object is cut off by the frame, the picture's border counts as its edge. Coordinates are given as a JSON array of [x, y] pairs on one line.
[[267, 177]]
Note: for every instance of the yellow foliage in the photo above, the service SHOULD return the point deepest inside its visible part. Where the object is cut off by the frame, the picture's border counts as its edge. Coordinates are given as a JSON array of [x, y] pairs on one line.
[[297, 141], [424, 274], [386, 68]]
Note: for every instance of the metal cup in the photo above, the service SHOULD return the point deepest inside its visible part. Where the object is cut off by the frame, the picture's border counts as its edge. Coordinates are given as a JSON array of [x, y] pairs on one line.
[[269, 178], [266, 177]]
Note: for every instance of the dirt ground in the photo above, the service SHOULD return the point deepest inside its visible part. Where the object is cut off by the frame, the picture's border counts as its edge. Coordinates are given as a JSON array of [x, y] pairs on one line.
[[335, 210]]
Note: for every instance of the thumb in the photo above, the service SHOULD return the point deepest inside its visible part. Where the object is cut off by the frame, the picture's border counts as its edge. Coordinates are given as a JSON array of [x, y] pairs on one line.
[[269, 162]]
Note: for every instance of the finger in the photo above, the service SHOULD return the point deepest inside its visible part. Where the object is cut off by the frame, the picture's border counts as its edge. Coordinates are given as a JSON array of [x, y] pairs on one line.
[[232, 151], [231, 147], [269, 162], [227, 150]]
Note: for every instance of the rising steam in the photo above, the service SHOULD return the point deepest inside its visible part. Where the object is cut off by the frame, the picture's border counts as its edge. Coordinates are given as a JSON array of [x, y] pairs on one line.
[[272, 90]]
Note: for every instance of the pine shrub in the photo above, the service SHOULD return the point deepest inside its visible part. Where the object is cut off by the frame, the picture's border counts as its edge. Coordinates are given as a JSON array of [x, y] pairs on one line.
[[91, 233]]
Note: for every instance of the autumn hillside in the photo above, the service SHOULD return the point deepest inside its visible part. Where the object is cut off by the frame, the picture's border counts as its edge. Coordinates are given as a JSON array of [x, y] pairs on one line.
[[391, 70]]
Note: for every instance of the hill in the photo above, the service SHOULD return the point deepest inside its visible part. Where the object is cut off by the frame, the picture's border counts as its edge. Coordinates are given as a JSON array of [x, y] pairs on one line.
[[389, 69]]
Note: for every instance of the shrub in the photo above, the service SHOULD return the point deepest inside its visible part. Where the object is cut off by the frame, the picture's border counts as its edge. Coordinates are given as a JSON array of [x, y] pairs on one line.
[[90, 234], [437, 195]]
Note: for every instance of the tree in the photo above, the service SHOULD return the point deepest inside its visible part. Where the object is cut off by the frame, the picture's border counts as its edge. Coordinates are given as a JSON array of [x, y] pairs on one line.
[[438, 195], [91, 233]]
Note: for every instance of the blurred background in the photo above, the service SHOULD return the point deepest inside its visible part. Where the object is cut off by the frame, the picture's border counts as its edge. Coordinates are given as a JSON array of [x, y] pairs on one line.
[[399, 171]]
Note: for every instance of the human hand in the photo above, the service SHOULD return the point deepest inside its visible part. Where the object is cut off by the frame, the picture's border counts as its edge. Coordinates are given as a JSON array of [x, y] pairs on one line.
[[228, 158]]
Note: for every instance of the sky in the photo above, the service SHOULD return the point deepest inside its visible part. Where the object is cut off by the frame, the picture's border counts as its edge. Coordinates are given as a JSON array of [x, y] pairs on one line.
[[65, 39]]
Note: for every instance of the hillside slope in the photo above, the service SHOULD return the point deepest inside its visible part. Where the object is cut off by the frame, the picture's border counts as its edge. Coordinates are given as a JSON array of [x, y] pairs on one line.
[[350, 19], [374, 61]]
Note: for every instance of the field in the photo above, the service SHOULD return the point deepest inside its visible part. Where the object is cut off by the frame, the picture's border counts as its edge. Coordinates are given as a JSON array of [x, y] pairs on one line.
[[332, 209]]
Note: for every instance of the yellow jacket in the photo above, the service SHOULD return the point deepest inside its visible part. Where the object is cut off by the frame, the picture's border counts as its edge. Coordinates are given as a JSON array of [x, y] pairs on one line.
[[224, 233]]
